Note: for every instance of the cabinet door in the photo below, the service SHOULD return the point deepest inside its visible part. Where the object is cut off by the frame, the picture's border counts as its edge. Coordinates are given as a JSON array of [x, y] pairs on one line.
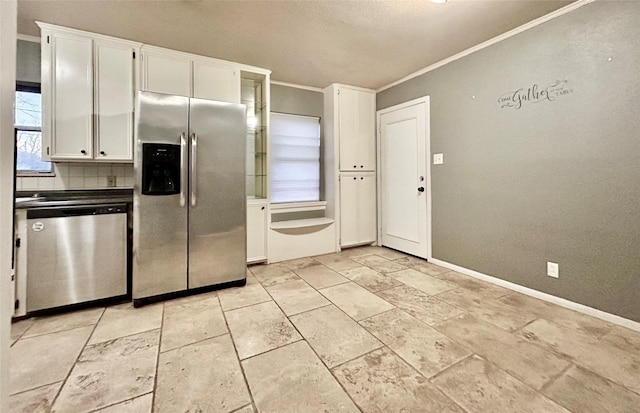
[[367, 207], [114, 94], [215, 82], [256, 232], [357, 130], [166, 73], [349, 210], [71, 94]]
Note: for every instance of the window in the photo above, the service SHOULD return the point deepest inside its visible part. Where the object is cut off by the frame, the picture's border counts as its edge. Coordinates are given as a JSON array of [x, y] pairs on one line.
[[295, 158], [28, 130]]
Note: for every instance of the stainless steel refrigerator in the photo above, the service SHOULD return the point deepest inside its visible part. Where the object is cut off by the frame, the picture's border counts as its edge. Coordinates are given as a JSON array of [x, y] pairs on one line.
[[189, 205]]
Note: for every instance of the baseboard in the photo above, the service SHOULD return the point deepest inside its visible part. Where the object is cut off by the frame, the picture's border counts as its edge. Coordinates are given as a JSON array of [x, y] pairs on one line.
[[581, 308]]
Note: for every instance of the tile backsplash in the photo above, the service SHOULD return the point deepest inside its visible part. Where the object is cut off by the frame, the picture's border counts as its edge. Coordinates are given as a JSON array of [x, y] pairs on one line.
[[79, 176]]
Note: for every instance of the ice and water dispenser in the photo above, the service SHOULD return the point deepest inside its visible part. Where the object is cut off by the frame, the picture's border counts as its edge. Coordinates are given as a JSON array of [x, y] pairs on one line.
[[160, 169]]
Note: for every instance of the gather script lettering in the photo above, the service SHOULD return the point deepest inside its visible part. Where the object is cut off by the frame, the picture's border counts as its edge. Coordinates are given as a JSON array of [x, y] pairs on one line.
[[534, 94]]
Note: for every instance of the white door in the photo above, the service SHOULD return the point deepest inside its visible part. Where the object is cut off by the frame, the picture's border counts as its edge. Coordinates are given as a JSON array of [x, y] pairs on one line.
[[403, 177], [114, 89], [357, 130], [367, 207], [349, 227]]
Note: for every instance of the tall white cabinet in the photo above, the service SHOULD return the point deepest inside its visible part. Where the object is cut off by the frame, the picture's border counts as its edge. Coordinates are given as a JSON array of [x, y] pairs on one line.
[[350, 161], [88, 84]]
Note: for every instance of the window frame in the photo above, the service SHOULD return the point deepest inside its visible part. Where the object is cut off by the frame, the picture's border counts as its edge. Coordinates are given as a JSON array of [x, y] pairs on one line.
[[297, 204], [29, 87]]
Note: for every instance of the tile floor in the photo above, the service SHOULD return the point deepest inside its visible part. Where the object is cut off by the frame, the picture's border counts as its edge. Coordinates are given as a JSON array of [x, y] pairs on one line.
[[369, 329]]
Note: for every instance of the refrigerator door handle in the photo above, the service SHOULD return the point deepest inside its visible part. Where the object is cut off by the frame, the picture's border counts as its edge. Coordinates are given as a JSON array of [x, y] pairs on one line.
[[192, 175], [183, 169]]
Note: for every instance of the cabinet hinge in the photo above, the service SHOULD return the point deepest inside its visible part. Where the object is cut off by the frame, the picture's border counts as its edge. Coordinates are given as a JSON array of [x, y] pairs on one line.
[[47, 39], [47, 150], [18, 243], [16, 305], [134, 55]]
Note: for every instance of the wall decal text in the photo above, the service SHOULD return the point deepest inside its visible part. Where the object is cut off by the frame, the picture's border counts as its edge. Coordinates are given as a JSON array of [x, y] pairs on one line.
[[534, 94]]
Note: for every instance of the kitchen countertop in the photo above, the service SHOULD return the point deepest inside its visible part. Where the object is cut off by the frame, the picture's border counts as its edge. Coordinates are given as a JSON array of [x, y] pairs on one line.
[[45, 199]]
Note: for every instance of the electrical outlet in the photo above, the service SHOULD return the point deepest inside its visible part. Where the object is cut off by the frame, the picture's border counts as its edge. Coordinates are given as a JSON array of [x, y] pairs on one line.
[[438, 158], [111, 180], [553, 269]]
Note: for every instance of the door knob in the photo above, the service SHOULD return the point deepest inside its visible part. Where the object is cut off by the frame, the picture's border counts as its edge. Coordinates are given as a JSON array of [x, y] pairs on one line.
[[421, 189]]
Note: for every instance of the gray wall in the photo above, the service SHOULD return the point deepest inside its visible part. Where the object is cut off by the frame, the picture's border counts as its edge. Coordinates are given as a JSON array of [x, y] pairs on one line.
[[554, 180], [28, 62]]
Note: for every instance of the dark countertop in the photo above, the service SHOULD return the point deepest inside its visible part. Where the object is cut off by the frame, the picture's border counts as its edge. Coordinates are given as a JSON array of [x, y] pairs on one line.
[[44, 199]]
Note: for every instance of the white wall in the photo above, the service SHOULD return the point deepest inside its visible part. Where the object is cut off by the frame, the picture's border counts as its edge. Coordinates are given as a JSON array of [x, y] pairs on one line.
[[8, 28]]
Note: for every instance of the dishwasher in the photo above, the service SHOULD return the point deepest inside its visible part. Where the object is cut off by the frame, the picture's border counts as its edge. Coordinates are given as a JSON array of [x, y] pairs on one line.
[[77, 254]]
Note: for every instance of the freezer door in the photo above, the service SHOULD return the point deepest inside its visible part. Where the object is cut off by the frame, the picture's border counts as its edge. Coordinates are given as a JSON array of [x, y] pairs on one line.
[[160, 216], [217, 198]]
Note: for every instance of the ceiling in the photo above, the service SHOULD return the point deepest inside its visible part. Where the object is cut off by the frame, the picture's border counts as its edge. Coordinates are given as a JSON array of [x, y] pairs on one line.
[[313, 43]]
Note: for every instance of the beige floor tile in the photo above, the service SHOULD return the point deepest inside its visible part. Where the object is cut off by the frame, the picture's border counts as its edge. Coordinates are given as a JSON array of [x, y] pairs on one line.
[[45, 359], [389, 253], [480, 287], [624, 339], [292, 379], [423, 282], [378, 263], [422, 306], [479, 386], [530, 364], [381, 382], [580, 390], [491, 310], [370, 279], [421, 265], [245, 409], [142, 404], [61, 322], [114, 371], [559, 315], [195, 297], [359, 251], [260, 328], [296, 297], [333, 335], [609, 361], [273, 274], [238, 297], [34, 401], [190, 322], [319, 276], [299, 263], [20, 327], [357, 302], [124, 320], [201, 377], [337, 262], [426, 349]]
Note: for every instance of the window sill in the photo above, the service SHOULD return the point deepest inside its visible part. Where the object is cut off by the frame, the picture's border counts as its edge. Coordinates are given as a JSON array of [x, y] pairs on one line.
[[289, 207], [35, 174]]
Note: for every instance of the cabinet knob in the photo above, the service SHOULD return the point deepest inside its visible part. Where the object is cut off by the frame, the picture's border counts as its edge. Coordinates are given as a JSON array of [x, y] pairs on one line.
[[361, 166], [354, 178], [102, 153], [361, 177], [83, 152], [355, 166], [262, 208]]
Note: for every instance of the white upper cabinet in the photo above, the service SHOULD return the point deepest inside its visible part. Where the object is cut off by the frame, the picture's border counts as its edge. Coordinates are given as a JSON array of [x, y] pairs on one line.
[[356, 129], [71, 93], [88, 84], [177, 73], [215, 81], [165, 71], [114, 95]]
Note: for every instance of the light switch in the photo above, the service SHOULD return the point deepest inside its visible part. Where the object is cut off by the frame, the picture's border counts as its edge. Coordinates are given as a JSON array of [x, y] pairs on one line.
[[438, 158]]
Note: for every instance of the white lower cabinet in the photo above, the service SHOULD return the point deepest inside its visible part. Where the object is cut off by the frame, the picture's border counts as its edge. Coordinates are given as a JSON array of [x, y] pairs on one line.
[[357, 208], [256, 230]]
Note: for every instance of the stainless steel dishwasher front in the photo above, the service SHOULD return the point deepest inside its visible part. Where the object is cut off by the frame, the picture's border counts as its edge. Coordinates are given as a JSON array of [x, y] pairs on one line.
[[75, 254]]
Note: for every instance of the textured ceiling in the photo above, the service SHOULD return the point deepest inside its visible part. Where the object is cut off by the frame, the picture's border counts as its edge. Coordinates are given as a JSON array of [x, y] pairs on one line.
[[313, 43]]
